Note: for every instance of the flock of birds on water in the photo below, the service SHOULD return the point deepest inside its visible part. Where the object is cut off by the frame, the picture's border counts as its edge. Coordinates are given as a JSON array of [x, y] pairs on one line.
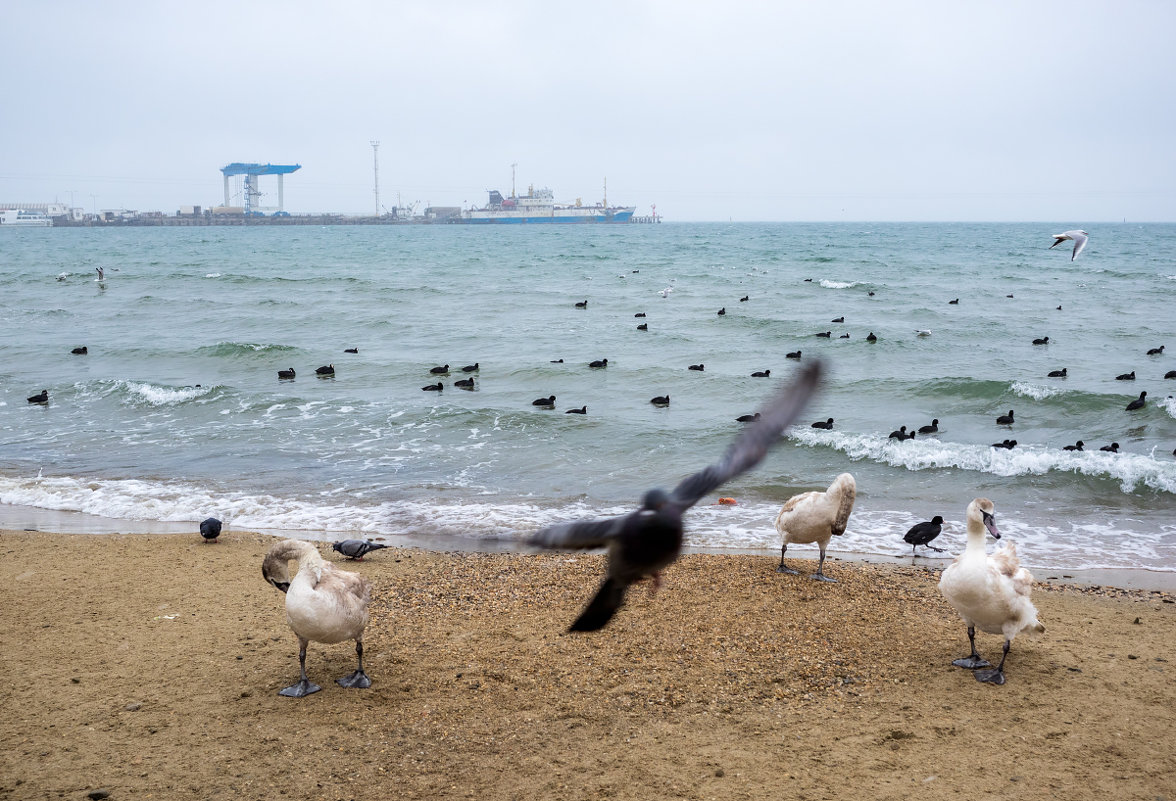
[[991, 592]]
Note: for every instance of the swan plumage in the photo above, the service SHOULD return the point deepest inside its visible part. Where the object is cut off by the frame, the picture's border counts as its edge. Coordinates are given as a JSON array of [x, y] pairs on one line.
[[323, 604], [990, 592], [816, 517]]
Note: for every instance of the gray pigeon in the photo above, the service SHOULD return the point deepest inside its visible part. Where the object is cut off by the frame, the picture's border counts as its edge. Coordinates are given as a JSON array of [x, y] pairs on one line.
[[355, 549], [210, 529], [643, 543]]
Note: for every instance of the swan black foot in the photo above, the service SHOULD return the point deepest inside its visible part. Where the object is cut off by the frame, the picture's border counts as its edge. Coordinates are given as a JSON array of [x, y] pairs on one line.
[[301, 689], [994, 676], [972, 662], [357, 680], [822, 577], [787, 570]]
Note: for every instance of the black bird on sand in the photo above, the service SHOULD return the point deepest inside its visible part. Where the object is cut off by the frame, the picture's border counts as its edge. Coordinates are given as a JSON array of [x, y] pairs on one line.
[[471, 368], [1126, 376], [1077, 446], [923, 533], [1058, 373], [210, 529], [1007, 444], [661, 400], [901, 434], [698, 367], [326, 369], [286, 373], [82, 351], [1112, 448], [931, 429], [826, 425], [644, 542], [548, 401], [1138, 403], [762, 374], [441, 370], [1005, 419], [792, 355], [41, 397], [581, 410], [438, 387], [355, 549]]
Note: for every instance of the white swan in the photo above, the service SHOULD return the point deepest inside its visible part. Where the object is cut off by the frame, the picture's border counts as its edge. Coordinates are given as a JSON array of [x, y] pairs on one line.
[[815, 517], [323, 604], [991, 593]]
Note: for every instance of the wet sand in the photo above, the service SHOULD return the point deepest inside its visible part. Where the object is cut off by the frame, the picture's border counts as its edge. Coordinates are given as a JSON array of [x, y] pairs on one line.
[[148, 666]]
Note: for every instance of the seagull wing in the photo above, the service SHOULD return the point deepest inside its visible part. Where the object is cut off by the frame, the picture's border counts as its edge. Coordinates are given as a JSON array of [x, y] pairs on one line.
[[1079, 243], [752, 445], [579, 535]]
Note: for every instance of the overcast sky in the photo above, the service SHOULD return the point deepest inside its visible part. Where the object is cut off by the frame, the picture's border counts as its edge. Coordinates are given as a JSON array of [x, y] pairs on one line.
[[822, 110]]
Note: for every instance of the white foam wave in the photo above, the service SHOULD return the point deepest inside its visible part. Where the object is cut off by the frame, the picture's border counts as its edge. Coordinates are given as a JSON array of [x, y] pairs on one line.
[[825, 282], [743, 527], [213, 275], [1129, 469], [156, 395], [1033, 391], [1168, 404]]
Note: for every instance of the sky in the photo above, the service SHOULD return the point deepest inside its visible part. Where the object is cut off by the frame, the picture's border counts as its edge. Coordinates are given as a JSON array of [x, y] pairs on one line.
[[746, 111]]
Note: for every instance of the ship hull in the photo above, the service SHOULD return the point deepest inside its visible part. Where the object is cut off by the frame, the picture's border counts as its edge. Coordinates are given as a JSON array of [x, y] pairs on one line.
[[620, 215]]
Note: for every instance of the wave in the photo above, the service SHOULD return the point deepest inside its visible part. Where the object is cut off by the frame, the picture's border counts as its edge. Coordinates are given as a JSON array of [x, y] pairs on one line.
[[1129, 469], [497, 522], [1168, 404], [828, 284], [144, 393], [230, 349], [1034, 391]]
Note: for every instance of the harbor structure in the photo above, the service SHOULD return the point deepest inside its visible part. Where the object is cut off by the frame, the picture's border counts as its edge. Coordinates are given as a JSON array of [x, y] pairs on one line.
[[252, 194]]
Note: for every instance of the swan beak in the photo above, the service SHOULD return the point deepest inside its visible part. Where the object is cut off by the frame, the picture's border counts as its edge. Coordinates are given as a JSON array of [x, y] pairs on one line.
[[285, 585], [990, 524]]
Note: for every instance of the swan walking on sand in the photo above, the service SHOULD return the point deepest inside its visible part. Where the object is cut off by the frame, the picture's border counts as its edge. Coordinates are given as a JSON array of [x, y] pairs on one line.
[[991, 593], [323, 604], [816, 517]]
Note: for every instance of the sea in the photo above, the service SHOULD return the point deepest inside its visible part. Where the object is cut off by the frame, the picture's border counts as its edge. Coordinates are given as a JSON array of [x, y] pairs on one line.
[[176, 412]]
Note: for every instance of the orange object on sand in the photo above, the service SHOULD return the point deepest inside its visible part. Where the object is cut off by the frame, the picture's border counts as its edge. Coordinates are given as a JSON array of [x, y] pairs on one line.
[[726, 501]]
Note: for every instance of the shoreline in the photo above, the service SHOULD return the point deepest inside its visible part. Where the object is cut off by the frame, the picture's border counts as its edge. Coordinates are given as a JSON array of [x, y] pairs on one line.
[[15, 517], [128, 654]]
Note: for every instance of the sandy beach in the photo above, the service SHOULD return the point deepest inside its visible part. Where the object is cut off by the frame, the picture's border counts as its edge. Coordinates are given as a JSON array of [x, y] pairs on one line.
[[147, 666]]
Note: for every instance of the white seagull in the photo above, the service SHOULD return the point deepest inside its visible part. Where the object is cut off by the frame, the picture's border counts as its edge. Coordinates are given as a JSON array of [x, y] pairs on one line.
[[1079, 238]]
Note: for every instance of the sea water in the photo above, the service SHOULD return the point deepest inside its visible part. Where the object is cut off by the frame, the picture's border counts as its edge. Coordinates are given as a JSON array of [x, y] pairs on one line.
[[177, 412]]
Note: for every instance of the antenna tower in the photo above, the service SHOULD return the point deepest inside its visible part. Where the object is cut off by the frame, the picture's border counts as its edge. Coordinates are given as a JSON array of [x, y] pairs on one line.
[[512, 179], [376, 171]]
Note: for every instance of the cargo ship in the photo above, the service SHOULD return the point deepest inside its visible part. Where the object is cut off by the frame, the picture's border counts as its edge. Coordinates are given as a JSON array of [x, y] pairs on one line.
[[539, 206]]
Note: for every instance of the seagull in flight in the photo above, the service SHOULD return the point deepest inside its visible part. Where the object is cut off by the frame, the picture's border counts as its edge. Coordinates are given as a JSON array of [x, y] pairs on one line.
[[1079, 238], [644, 542]]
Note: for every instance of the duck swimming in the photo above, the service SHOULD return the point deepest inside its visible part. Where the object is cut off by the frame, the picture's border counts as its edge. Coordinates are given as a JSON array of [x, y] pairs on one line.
[[991, 593], [323, 604]]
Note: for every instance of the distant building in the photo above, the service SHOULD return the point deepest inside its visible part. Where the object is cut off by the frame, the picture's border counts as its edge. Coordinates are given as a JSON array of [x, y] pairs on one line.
[[48, 209]]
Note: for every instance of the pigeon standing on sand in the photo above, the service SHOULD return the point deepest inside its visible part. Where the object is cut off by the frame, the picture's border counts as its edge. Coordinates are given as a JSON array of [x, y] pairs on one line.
[[355, 549], [210, 529], [643, 543], [1078, 237]]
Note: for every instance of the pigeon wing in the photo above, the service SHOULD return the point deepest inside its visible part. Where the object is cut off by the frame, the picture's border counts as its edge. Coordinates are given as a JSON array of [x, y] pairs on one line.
[[750, 447], [579, 535]]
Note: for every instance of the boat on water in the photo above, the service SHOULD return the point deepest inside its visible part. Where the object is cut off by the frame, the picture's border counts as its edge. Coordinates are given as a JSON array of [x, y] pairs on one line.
[[24, 219], [539, 206]]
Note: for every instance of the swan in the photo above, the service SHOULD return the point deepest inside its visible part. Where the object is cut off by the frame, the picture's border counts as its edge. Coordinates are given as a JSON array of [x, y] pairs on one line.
[[323, 604], [815, 517], [991, 593]]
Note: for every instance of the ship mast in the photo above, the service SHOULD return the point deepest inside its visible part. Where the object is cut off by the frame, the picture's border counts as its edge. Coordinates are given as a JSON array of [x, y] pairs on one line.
[[606, 193], [512, 179]]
